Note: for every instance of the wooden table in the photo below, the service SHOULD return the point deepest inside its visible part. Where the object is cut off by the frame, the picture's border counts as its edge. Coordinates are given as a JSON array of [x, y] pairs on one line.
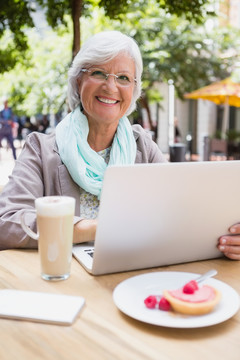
[[101, 331]]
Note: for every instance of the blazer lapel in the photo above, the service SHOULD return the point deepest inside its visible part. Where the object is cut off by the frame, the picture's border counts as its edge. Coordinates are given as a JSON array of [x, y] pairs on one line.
[[69, 187]]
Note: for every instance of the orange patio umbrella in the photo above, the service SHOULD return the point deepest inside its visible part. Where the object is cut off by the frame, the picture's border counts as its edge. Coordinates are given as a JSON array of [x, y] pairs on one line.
[[219, 92], [225, 92]]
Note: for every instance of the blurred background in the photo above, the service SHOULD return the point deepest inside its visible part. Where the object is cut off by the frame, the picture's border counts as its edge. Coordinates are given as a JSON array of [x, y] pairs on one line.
[[186, 45]]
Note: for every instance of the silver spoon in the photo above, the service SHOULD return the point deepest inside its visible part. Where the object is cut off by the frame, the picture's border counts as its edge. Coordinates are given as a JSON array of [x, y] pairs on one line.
[[207, 275]]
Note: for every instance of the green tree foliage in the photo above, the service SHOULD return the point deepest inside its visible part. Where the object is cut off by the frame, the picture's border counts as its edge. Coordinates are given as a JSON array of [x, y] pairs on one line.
[[172, 48], [191, 10], [41, 86], [56, 12], [14, 17]]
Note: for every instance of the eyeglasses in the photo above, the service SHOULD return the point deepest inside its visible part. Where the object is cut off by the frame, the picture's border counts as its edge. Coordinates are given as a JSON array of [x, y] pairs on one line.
[[100, 76]]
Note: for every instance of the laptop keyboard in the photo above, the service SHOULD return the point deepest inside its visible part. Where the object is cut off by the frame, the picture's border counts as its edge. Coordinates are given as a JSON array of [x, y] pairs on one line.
[[90, 252]]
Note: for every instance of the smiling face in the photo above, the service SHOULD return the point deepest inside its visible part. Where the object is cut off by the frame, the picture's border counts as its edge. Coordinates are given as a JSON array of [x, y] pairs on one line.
[[107, 101]]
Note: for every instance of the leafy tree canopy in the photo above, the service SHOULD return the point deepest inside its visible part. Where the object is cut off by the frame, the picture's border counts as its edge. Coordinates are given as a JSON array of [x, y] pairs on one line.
[[191, 10], [172, 48], [15, 16], [40, 86]]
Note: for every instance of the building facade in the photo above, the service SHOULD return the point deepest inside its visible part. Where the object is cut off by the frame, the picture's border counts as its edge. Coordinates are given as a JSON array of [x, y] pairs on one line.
[[197, 118]]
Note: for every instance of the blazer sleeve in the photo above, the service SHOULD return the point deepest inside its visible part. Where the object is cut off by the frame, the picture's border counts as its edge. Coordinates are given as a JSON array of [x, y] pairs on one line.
[[147, 150], [24, 185]]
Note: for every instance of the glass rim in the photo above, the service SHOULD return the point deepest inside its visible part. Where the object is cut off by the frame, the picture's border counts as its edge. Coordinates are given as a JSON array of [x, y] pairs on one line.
[[132, 80]]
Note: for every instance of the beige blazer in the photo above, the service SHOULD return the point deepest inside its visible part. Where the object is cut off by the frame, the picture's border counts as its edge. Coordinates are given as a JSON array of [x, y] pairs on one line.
[[38, 172]]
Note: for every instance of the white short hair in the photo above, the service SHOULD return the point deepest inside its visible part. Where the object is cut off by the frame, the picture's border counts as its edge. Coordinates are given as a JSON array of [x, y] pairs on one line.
[[100, 49]]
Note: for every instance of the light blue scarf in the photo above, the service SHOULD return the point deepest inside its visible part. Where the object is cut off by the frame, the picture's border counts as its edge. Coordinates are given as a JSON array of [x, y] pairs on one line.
[[85, 165]]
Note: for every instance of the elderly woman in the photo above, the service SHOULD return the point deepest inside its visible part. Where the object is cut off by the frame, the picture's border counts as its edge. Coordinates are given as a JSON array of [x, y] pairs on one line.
[[104, 85]]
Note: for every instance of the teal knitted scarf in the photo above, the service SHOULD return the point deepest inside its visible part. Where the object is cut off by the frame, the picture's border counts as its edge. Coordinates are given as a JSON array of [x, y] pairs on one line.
[[85, 165]]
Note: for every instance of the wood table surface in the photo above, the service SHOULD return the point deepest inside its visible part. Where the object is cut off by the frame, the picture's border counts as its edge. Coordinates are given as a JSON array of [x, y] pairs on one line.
[[101, 331]]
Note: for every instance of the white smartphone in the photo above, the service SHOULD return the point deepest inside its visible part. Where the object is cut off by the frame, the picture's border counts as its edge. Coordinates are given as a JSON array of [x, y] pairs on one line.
[[41, 307]]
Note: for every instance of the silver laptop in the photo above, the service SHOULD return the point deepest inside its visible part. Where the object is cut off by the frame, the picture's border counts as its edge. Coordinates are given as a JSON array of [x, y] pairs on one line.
[[161, 214]]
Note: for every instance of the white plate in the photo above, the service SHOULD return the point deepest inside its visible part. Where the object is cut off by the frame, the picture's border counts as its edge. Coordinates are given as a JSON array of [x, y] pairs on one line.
[[129, 297]]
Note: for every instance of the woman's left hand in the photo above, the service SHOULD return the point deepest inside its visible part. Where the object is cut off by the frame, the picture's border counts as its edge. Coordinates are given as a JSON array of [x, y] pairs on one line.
[[84, 230], [230, 244]]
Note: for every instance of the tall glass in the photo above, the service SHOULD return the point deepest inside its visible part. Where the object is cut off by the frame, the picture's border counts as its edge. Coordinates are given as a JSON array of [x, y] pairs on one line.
[[55, 235]]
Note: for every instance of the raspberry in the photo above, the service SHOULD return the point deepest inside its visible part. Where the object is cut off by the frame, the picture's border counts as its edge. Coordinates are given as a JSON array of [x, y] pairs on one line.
[[164, 304], [150, 302], [190, 287]]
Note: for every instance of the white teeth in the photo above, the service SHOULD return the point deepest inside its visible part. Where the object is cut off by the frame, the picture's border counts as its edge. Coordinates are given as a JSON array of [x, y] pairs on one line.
[[107, 101]]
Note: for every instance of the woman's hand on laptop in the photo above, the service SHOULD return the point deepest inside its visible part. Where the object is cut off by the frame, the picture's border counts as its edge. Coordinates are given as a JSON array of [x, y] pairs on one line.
[[84, 230], [230, 244]]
